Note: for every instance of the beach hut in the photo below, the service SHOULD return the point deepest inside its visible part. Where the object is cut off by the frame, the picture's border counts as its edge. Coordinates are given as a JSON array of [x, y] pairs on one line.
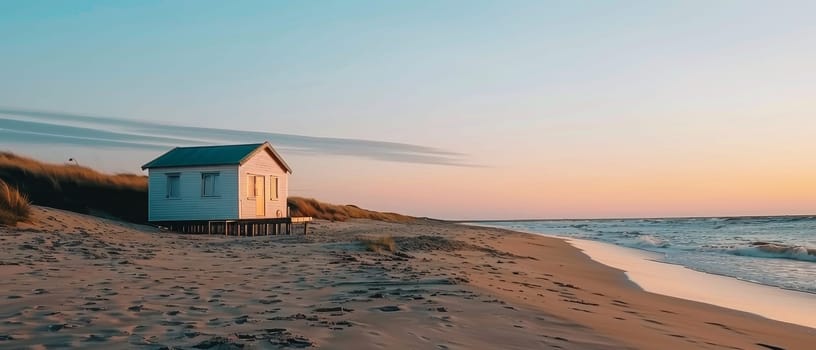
[[201, 189]]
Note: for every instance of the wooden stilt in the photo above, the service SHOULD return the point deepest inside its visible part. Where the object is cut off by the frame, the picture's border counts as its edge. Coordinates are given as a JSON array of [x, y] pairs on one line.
[[249, 227]]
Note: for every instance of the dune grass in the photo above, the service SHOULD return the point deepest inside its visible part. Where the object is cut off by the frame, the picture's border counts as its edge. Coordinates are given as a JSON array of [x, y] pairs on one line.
[[62, 173], [319, 210], [77, 188], [14, 206], [379, 244], [124, 196]]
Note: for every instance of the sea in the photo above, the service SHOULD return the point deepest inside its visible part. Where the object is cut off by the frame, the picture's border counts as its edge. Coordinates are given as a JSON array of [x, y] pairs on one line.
[[774, 251]]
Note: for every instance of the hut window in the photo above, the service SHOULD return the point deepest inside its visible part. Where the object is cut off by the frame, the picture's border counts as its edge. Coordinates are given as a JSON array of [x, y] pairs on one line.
[[209, 184], [273, 188], [173, 186]]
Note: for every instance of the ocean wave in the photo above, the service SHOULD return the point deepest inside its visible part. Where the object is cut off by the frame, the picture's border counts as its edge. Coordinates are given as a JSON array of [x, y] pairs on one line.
[[797, 218], [775, 250], [648, 241]]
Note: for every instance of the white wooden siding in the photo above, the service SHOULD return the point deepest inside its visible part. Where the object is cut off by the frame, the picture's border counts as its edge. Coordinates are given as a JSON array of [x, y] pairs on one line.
[[191, 205], [263, 163]]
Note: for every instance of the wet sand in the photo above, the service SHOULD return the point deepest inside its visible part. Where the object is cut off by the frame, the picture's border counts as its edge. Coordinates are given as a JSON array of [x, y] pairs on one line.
[[70, 280], [645, 269]]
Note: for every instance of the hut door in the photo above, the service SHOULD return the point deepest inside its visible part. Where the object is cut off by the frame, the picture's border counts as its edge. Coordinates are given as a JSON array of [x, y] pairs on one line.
[[260, 196]]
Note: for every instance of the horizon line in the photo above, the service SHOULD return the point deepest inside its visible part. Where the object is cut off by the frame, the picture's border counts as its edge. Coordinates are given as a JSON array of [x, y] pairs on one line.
[[638, 218]]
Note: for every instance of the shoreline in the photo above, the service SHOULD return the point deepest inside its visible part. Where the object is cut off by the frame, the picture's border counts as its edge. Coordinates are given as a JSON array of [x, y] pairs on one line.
[[767, 301], [643, 269], [639, 317]]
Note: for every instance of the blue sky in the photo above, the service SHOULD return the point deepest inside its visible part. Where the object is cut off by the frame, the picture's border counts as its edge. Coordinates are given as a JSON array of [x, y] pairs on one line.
[[572, 109]]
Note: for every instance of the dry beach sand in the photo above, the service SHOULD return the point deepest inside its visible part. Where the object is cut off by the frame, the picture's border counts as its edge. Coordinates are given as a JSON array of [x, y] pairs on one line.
[[74, 281]]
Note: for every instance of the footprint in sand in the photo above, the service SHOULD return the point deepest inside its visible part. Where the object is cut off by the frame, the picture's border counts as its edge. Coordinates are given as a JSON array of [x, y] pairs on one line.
[[390, 308], [95, 338], [199, 309]]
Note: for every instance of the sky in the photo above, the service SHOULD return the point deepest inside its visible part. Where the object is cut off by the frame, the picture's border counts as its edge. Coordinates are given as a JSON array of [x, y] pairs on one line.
[[446, 109]]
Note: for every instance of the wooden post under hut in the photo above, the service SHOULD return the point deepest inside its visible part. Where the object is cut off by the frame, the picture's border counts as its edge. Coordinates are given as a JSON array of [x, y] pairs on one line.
[[245, 227]]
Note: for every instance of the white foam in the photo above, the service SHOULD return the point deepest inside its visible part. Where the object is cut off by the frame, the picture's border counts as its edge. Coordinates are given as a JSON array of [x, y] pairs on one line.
[[777, 251], [681, 282], [650, 241]]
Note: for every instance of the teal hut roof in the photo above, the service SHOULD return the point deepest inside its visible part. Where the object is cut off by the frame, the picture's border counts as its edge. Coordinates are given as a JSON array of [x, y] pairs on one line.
[[212, 155]]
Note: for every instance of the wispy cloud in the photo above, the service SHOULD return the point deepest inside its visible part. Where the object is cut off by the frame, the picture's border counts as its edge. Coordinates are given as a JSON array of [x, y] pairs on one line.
[[42, 127]]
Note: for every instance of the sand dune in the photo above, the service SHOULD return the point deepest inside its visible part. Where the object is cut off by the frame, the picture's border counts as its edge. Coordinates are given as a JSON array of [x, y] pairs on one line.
[[71, 280]]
